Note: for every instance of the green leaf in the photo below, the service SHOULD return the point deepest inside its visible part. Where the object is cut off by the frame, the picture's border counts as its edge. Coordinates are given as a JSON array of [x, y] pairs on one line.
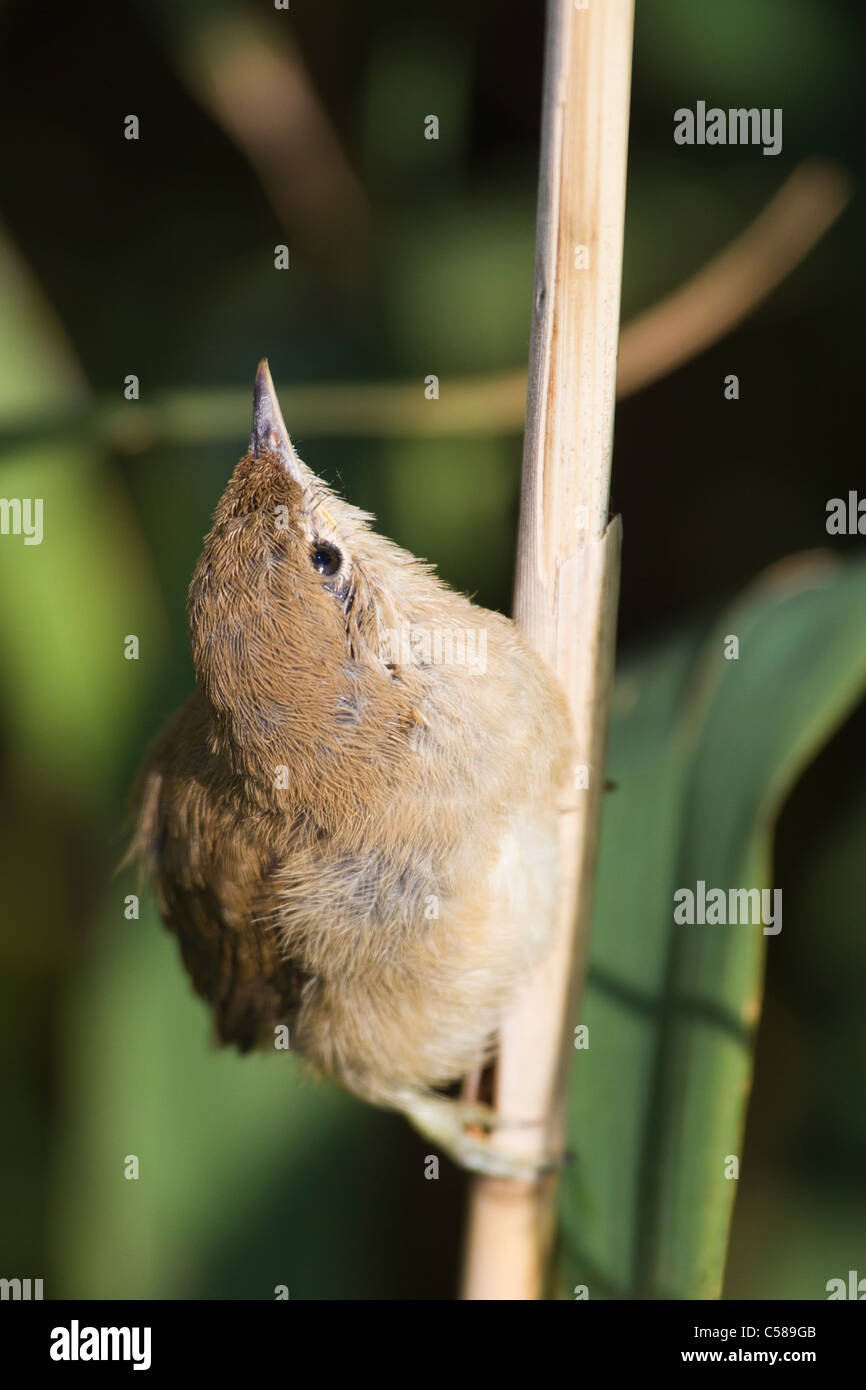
[[704, 751]]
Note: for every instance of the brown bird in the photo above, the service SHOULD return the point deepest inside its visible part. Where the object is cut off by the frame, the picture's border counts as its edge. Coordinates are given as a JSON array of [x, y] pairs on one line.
[[351, 825]]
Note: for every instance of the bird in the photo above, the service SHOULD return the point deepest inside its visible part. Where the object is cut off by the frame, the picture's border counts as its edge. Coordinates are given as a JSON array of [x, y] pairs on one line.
[[351, 824]]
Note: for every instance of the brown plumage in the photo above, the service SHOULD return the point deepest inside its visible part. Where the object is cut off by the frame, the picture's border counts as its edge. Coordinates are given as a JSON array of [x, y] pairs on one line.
[[351, 824]]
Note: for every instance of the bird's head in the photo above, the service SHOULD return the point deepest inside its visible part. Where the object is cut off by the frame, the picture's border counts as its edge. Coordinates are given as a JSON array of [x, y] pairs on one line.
[[291, 606]]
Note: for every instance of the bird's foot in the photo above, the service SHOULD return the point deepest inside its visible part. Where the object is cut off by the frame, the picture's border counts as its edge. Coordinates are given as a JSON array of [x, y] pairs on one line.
[[448, 1124]]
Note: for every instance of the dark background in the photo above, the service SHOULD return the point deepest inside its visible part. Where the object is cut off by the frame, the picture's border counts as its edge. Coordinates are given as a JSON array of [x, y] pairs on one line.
[[409, 257]]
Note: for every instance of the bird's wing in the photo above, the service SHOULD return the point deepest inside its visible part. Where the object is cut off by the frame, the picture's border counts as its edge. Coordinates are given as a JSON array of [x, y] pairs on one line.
[[210, 882]]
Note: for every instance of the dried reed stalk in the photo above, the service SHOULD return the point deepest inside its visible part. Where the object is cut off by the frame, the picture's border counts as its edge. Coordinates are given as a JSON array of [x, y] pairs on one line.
[[566, 590]]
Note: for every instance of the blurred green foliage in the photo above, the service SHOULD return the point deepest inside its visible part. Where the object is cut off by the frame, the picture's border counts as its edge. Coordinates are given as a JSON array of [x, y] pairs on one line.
[[708, 749], [157, 258]]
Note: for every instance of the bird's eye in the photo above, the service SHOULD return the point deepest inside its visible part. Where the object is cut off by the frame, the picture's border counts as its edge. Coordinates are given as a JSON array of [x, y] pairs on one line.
[[326, 559]]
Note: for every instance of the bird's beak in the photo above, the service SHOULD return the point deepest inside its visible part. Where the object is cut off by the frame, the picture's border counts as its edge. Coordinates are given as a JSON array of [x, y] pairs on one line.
[[269, 429]]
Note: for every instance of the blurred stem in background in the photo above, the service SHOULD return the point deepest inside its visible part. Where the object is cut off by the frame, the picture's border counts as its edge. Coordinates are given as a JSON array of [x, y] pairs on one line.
[[250, 76], [656, 342]]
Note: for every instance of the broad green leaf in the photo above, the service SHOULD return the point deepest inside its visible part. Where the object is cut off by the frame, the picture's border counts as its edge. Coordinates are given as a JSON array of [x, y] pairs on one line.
[[703, 751]]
